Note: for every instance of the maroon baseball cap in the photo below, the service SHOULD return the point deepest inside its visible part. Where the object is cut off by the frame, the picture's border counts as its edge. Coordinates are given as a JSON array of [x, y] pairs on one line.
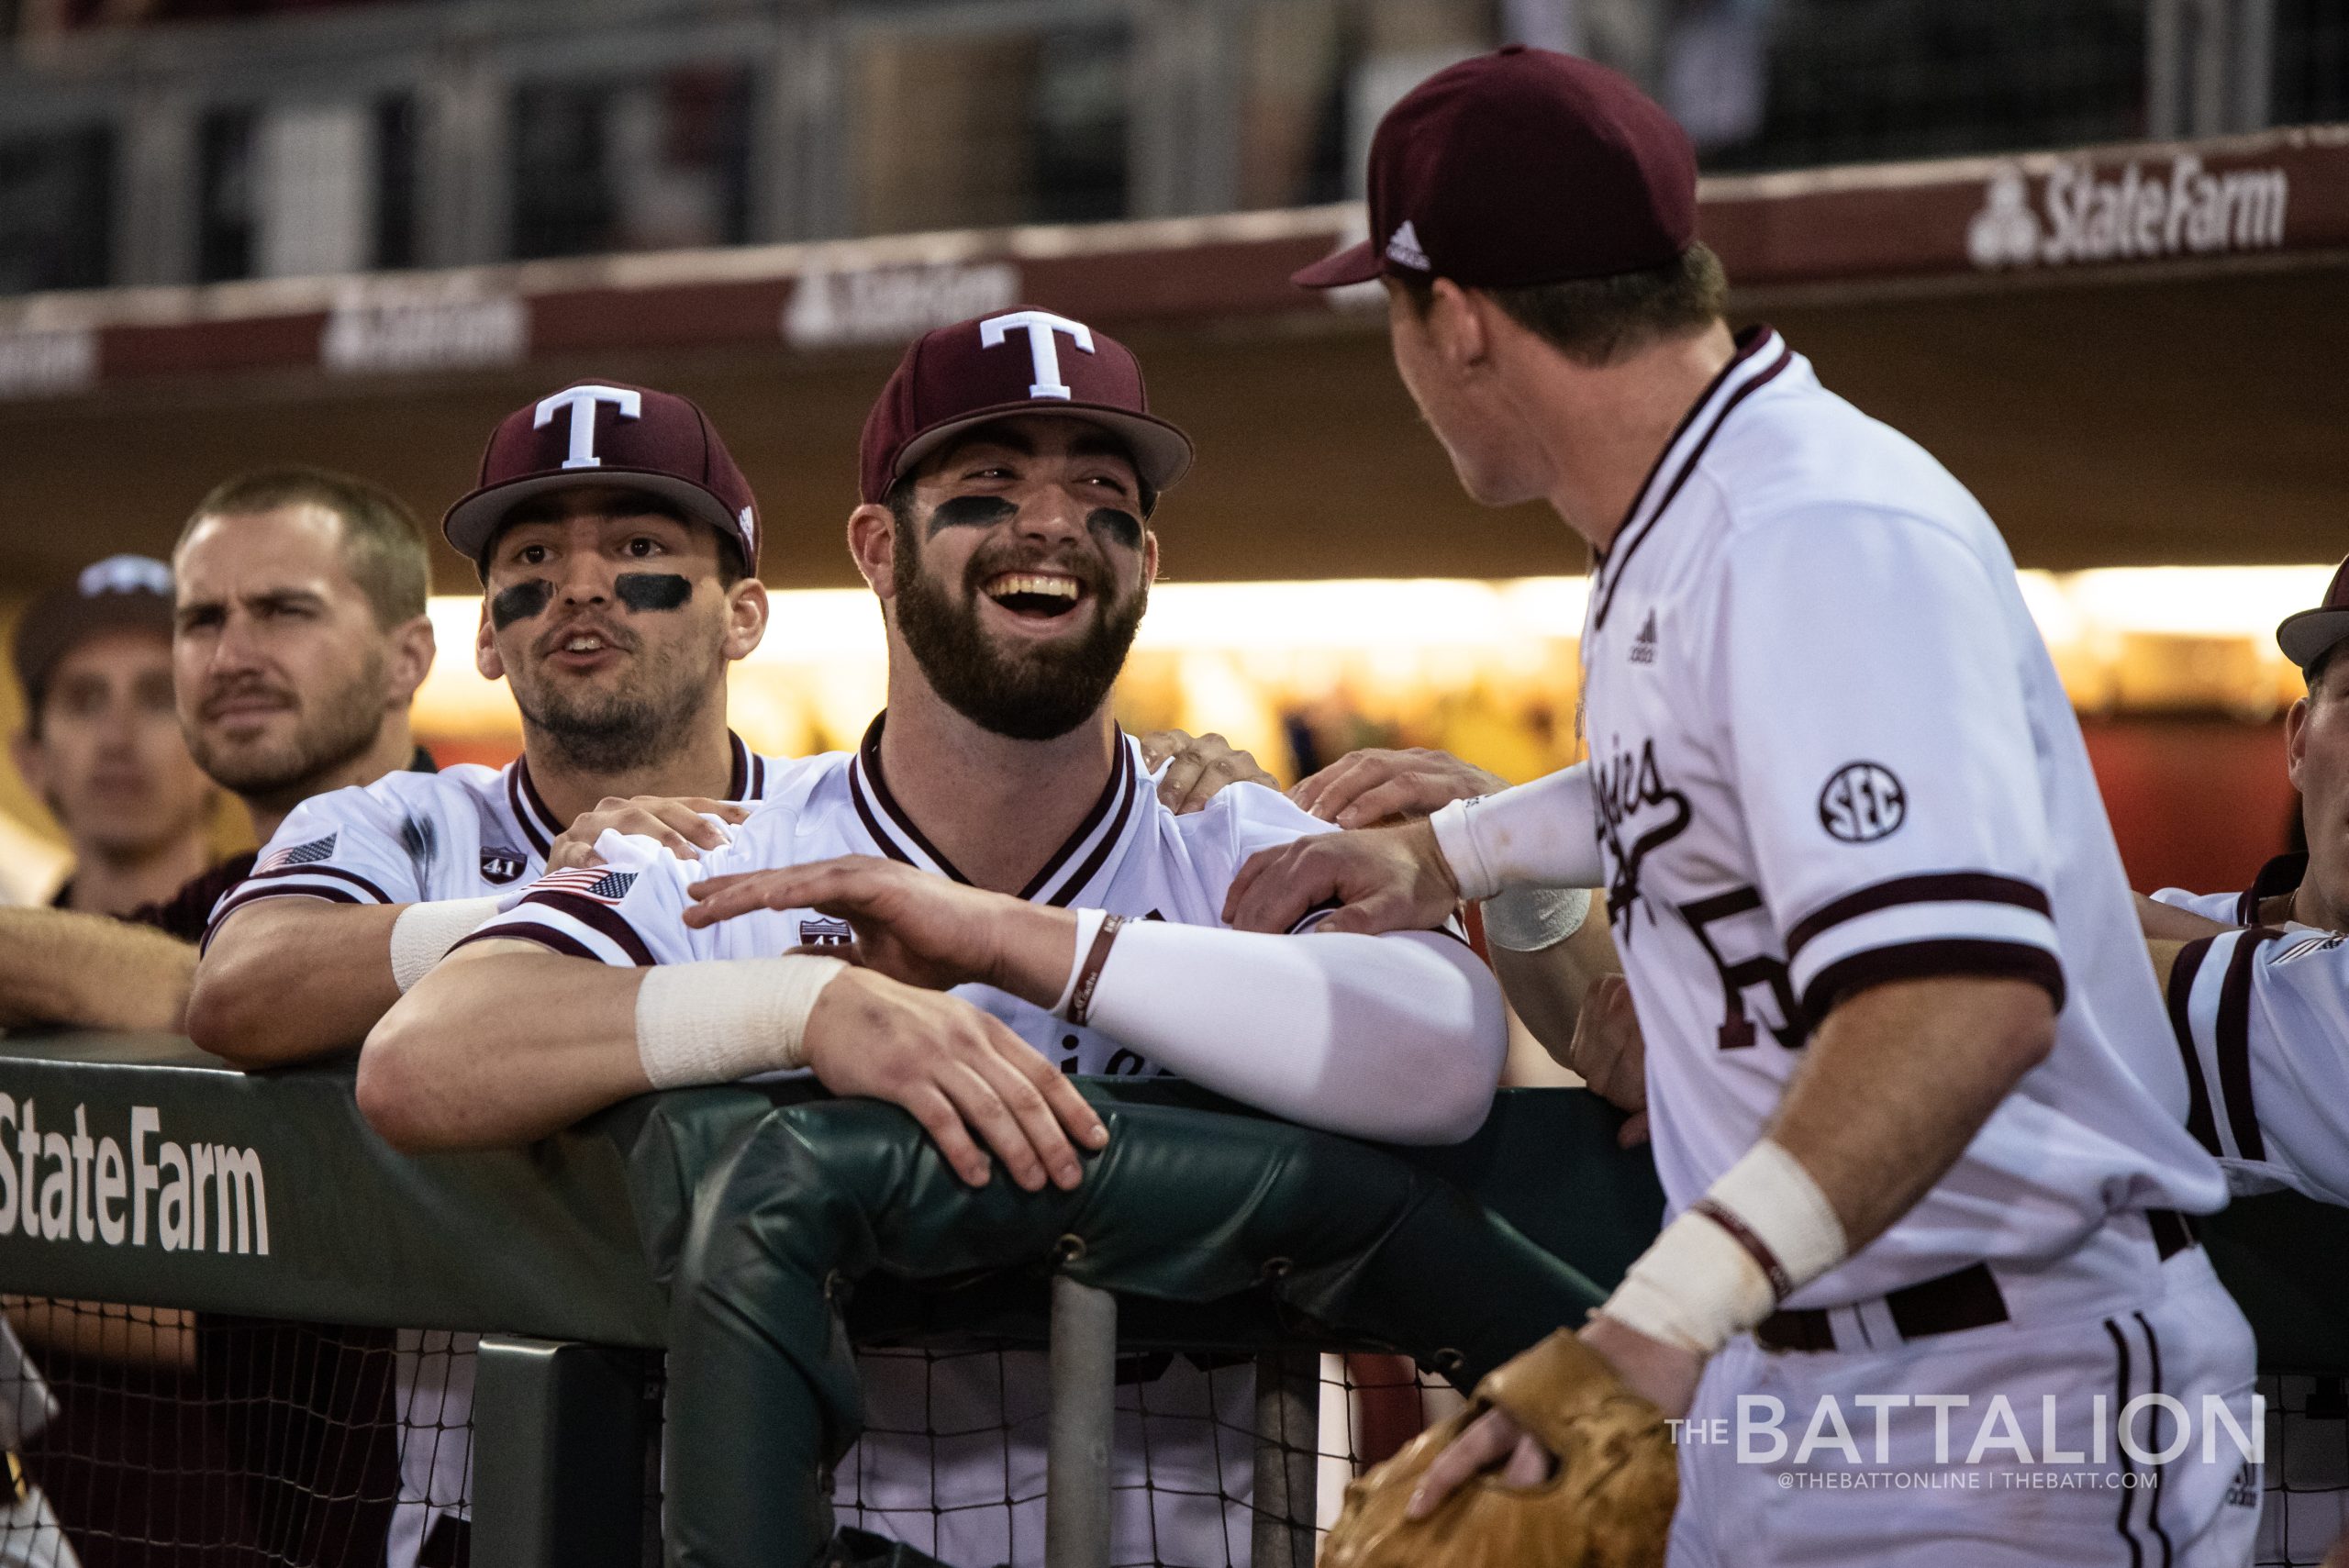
[[122, 593], [1012, 362], [607, 432], [1522, 167], [2307, 636]]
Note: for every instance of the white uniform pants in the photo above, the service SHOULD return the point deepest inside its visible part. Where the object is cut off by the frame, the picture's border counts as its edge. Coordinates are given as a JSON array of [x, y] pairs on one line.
[[1991, 1482]]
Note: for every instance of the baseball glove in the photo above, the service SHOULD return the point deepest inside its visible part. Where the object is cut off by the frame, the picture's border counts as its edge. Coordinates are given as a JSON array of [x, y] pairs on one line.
[[1608, 1506]]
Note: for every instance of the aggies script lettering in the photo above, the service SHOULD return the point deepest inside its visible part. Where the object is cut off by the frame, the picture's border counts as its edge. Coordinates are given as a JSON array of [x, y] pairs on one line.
[[1638, 814], [1627, 787]]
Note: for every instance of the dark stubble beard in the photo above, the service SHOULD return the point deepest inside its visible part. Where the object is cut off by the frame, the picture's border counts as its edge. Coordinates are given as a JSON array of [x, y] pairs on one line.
[[334, 730], [1038, 694], [647, 721]]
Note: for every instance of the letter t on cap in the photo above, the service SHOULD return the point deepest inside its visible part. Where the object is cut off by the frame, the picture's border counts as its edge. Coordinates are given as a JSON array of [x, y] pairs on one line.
[[1045, 354], [582, 401]]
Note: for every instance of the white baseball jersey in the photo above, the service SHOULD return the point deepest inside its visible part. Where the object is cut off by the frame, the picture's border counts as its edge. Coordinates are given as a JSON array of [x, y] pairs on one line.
[[1829, 749], [465, 832], [2261, 1019], [953, 1462], [2275, 1117]]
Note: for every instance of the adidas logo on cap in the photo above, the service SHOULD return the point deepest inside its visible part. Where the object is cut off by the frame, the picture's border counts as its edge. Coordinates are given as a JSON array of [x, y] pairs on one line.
[[1403, 248]]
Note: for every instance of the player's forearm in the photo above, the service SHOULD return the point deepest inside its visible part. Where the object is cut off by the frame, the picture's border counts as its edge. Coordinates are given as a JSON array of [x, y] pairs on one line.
[[60, 967], [1896, 1083], [501, 1043], [2166, 922], [1543, 834], [1546, 985], [1399, 1037], [289, 979]]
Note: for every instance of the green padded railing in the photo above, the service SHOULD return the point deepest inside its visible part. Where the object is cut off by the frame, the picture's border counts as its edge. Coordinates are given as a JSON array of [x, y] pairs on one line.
[[756, 1232]]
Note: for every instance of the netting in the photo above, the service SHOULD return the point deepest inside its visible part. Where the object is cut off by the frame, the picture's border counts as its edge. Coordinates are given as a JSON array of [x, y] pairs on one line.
[[166, 1438], [146, 1438], [952, 1459], [156, 1439], [2306, 1509]]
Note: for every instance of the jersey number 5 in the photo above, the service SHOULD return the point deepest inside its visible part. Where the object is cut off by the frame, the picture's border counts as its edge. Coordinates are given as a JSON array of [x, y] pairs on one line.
[[1737, 979]]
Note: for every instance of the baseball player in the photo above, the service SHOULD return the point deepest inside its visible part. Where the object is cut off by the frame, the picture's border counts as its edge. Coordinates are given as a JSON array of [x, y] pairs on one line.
[[2258, 989], [300, 637], [1900, 1026], [1025, 903], [295, 632], [2257, 980], [618, 546]]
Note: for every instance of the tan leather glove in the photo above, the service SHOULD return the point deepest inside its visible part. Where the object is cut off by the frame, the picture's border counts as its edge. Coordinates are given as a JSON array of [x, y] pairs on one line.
[[1608, 1506]]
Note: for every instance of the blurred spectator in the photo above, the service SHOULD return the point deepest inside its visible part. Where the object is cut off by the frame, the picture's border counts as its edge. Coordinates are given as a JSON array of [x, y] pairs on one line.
[[100, 745]]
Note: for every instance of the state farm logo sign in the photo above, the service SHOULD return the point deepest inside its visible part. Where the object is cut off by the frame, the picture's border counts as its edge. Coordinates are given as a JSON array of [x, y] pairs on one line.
[[2183, 210], [77, 1187]]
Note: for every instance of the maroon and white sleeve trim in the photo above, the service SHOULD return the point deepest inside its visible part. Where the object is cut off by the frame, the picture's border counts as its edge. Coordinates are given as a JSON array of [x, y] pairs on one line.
[[568, 924], [334, 886], [1911, 928]]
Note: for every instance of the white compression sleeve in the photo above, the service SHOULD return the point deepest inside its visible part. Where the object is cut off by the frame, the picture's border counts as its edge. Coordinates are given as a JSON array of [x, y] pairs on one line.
[[1399, 1038], [424, 933], [1543, 834]]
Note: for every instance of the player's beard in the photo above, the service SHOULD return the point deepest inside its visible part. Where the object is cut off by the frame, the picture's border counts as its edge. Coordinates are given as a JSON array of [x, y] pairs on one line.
[[1034, 693], [643, 721], [331, 729]]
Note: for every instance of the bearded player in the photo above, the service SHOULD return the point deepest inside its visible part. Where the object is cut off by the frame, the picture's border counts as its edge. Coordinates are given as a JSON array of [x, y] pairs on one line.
[[1908, 1083], [1026, 905]]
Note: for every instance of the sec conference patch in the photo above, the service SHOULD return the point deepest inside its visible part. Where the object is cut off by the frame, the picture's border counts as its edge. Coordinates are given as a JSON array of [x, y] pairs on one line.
[[1863, 802]]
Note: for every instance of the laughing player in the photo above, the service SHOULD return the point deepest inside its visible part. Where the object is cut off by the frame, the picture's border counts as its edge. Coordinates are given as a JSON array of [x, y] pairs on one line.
[[1027, 905]]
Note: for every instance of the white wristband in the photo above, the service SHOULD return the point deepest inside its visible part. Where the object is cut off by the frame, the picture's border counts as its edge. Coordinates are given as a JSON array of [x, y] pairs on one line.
[[720, 1019], [424, 933], [1758, 1235], [1088, 925], [1528, 919], [1543, 834]]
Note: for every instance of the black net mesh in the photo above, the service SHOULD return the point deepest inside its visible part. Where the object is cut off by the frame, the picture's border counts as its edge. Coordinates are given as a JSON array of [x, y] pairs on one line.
[[2306, 1510], [952, 1460], [150, 1437]]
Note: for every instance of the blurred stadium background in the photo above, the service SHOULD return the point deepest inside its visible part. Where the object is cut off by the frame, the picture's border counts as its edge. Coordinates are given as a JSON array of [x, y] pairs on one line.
[[235, 232]]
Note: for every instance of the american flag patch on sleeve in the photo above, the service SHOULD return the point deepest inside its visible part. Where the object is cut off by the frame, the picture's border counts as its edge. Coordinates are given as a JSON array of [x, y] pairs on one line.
[[603, 885], [311, 853]]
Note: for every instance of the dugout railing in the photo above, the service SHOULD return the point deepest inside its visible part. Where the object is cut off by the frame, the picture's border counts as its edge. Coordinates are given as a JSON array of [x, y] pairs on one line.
[[740, 1241]]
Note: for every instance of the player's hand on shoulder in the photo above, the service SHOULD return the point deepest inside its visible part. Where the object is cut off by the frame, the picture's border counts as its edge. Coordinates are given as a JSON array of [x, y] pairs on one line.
[[958, 1071], [680, 824], [1383, 879], [1198, 767], [910, 925], [1611, 1056], [1374, 786]]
